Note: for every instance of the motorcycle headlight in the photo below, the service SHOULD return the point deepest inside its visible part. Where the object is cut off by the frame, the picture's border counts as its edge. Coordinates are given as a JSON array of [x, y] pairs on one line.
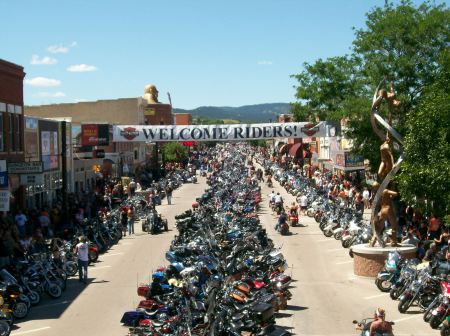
[[446, 300], [279, 285]]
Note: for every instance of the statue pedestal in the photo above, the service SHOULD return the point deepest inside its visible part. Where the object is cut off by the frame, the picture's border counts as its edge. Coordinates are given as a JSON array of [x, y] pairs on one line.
[[368, 261]]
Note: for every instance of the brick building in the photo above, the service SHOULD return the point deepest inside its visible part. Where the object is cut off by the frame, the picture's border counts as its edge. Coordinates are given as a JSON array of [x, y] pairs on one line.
[[183, 118], [11, 123]]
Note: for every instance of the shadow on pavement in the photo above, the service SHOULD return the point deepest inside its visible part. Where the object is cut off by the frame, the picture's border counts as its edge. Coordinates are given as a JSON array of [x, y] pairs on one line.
[[295, 308], [54, 308]]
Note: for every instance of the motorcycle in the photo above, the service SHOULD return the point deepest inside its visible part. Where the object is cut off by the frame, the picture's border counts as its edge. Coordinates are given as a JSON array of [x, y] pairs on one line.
[[390, 273], [423, 290]]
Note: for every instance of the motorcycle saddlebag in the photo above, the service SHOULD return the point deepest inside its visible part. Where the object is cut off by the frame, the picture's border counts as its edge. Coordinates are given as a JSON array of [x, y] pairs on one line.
[[132, 318], [146, 304], [143, 290], [263, 311]]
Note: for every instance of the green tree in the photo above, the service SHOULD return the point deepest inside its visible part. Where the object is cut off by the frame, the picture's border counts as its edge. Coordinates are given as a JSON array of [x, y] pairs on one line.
[[425, 174], [402, 43], [175, 152], [324, 86]]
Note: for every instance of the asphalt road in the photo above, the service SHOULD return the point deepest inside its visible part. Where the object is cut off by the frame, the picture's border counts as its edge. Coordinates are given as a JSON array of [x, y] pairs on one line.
[[327, 296], [96, 308]]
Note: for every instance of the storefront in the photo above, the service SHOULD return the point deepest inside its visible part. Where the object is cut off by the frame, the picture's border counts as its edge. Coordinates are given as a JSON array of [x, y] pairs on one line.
[[349, 165]]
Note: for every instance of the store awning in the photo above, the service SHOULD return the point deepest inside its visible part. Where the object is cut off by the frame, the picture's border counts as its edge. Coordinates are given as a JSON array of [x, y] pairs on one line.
[[296, 150]]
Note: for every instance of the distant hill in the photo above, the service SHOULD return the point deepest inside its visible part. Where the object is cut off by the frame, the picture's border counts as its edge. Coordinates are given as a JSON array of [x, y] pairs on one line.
[[248, 113]]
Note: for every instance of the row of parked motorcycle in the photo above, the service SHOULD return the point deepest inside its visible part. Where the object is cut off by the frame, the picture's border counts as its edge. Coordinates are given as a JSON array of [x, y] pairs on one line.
[[45, 273], [424, 285], [224, 276], [335, 219]]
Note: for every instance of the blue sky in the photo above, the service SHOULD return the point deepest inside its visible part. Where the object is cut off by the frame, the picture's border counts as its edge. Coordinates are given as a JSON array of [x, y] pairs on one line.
[[233, 52]]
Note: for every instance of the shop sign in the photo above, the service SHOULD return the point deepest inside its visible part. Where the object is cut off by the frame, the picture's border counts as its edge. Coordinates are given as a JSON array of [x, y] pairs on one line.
[[31, 179], [340, 160], [25, 167], [94, 135], [353, 160], [4, 200]]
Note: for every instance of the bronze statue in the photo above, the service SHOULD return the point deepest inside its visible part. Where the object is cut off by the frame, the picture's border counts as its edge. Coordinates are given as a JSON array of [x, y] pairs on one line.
[[382, 207], [387, 159], [151, 94], [386, 213]]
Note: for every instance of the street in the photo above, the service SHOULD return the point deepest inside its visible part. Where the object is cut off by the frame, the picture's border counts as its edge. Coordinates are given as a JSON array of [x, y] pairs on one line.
[[96, 308], [327, 296]]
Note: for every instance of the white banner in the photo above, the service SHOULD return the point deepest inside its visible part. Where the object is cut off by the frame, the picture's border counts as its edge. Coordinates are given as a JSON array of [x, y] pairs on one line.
[[150, 133]]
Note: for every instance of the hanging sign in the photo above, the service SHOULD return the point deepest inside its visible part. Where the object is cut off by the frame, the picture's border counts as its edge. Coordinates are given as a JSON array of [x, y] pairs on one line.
[[236, 132], [31, 179], [94, 135]]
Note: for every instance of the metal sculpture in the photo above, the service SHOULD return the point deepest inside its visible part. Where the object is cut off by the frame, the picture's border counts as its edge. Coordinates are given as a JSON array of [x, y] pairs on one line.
[[382, 208]]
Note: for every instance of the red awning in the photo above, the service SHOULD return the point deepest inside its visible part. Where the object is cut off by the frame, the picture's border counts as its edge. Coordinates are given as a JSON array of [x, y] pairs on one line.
[[296, 150]]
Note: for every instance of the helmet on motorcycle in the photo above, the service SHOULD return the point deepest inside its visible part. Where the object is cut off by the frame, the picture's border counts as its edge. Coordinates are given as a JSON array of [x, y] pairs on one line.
[[195, 205]]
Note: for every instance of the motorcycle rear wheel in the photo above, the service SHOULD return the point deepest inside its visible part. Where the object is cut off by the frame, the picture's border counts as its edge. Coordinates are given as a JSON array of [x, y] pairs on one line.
[[34, 297], [71, 268], [435, 321], [346, 243], [54, 291], [383, 285], [93, 256], [404, 304], [328, 233], [5, 329], [20, 310], [445, 331], [338, 235], [395, 293]]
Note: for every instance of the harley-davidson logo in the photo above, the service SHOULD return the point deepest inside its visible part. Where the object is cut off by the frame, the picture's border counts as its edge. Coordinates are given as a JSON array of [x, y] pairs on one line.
[[129, 133], [310, 129]]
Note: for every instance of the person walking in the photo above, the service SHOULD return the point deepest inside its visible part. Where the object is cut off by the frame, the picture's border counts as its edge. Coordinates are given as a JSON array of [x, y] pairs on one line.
[[82, 252], [124, 221], [130, 215], [169, 194], [366, 197]]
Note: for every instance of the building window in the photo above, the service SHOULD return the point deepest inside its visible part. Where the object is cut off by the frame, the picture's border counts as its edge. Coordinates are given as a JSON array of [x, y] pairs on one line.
[[2, 140], [18, 131], [11, 131]]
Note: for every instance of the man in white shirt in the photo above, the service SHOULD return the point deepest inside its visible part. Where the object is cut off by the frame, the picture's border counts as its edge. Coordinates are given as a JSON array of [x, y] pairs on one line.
[[303, 201], [366, 197], [278, 199], [272, 197], [82, 252]]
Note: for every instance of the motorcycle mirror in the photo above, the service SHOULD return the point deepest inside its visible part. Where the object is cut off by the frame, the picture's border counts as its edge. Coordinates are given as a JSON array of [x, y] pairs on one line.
[[392, 323], [355, 322]]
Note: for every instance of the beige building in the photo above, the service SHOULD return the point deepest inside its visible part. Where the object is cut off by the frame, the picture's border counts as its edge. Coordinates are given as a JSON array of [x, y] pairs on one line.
[[124, 111]]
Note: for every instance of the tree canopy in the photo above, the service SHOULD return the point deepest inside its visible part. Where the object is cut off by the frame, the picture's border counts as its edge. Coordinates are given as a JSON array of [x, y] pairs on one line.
[[175, 152], [403, 43]]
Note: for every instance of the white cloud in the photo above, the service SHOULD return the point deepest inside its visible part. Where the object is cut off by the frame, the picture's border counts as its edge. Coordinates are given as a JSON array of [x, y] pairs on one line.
[[42, 82], [61, 49], [81, 68], [58, 49], [58, 94], [36, 60], [265, 62]]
